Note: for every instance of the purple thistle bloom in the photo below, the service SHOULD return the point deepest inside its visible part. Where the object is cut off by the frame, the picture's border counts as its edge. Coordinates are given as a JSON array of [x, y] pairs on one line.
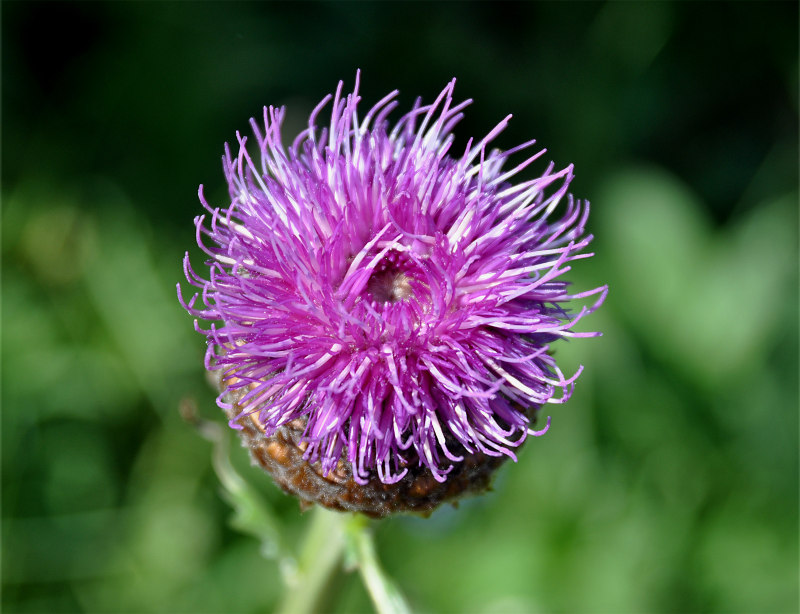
[[397, 300]]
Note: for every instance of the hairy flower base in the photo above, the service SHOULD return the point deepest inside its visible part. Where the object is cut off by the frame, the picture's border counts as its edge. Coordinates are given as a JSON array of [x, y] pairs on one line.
[[281, 455]]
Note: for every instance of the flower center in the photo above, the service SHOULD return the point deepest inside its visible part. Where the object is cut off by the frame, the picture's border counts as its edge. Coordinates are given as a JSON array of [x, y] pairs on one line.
[[389, 286], [393, 280]]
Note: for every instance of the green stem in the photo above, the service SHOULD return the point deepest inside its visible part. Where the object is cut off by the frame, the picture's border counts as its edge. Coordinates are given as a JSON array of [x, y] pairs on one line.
[[251, 513], [385, 595], [307, 578], [319, 560]]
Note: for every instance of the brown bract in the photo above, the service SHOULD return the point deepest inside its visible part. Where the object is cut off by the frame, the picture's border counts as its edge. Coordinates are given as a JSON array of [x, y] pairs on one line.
[[281, 455]]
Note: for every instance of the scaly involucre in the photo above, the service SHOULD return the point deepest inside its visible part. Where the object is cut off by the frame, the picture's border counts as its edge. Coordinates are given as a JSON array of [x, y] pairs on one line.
[[399, 301]]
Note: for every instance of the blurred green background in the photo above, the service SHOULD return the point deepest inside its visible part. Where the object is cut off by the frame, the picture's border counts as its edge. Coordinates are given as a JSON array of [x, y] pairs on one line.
[[668, 484]]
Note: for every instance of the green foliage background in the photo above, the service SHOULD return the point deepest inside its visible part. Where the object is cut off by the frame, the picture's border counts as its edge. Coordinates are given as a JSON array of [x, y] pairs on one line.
[[668, 484]]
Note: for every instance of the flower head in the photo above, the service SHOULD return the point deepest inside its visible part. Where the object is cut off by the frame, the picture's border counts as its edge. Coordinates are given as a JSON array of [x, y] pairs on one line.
[[381, 306]]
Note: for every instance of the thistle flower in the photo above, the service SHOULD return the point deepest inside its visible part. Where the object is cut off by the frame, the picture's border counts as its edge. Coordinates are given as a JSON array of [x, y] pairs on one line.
[[383, 310]]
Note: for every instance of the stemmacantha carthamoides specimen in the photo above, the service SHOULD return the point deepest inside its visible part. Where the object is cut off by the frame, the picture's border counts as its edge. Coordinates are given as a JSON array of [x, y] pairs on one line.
[[382, 310]]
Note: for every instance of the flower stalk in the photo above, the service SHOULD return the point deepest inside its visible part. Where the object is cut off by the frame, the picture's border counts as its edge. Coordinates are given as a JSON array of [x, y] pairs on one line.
[[385, 595], [331, 538], [320, 559]]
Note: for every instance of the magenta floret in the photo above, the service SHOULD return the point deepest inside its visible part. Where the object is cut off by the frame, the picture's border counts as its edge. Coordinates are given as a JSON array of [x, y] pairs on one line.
[[398, 300]]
